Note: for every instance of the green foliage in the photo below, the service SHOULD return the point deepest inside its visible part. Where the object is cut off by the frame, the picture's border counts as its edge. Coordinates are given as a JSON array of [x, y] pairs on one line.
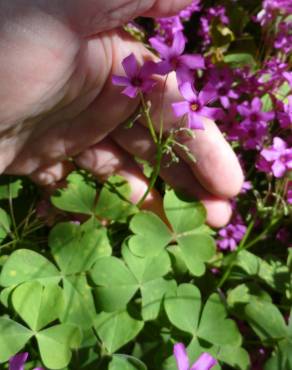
[[79, 195], [36, 304], [189, 232], [124, 362], [116, 329], [121, 302]]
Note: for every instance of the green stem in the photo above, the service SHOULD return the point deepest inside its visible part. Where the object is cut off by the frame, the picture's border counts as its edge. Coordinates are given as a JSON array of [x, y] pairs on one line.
[[154, 175], [148, 119]]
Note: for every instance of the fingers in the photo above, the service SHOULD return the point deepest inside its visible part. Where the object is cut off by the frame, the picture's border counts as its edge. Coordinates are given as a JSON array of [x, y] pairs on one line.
[[138, 143], [91, 17], [49, 175]]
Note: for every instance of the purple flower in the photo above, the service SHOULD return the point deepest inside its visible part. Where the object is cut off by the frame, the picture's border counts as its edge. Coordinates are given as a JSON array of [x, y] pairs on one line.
[[253, 113], [173, 60], [279, 156], [271, 9], [222, 79], [138, 78], [204, 362], [195, 105], [17, 362], [231, 235], [229, 123], [254, 126]]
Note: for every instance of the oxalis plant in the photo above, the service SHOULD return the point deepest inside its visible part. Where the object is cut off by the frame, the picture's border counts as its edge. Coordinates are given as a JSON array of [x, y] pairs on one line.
[[96, 282]]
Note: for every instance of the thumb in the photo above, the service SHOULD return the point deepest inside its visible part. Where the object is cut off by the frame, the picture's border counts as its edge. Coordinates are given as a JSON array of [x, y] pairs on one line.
[[90, 17]]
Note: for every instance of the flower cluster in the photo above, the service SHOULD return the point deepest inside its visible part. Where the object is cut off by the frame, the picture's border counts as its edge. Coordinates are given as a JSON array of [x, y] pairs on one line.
[[252, 106]]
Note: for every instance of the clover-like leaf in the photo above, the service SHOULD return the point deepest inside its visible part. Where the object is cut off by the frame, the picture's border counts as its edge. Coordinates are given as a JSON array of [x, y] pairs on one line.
[[265, 319], [153, 293], [116, 329], [196, 249], [79, 305], [146, 269], [76, 248], [13, 338], [234, 356], [36, 304], [184, 215], [126, 362], [194, 241], [183, 307], [116, 283], [113, 200], [56, 344], [5, 223], [214, 327], [26, 265], [78, 197], [151, 234]]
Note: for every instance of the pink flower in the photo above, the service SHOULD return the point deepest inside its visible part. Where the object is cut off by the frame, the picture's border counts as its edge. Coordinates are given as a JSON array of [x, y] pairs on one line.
[[204, 362], [222, 79], [279, 156], [138, 78], [172, 58], [231, 235], [195, 105], [254, 125]]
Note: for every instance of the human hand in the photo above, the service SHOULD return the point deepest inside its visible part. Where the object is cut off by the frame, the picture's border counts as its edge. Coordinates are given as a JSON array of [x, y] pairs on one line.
[[58, 102]]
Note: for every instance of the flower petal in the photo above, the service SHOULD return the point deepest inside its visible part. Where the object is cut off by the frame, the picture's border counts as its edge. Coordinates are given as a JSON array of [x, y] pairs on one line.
[[196, 121], [187, 91], [207, 95], [270, 155], [130, 65], [160, 47], [212, 113], [192, 61], [130, 91], [243, 110], [178, 45], [225, 101], [120, 80], [279, 144], [256, 104], [181, 356], [278, 169], [180, 108], [17, 362], [204, 362]]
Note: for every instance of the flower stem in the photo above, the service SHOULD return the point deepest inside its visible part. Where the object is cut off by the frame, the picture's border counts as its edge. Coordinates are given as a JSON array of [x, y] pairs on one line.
[[146, 112], [154, 175]]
